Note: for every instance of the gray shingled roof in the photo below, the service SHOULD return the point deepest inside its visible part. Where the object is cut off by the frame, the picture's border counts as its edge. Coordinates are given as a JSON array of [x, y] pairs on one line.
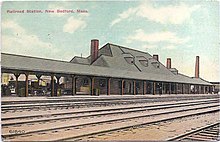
[[80, 60], [110, 65]]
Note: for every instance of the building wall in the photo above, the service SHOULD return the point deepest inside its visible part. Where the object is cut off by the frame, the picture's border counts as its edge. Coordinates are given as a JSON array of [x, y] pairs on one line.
[[179, 88], [83, 86], [115, 84], [139, 87], [101, 84], [186, 89], [149, 87], [128, 87], [166, 88]]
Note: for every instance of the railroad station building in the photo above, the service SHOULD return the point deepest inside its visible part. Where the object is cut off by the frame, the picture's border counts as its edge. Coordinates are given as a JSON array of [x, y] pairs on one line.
[[110, 70]]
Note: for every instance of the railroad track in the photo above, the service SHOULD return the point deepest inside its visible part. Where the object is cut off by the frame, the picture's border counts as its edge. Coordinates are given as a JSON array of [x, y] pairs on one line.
[[80, 136], [207, 133], [82, 120], [79, 99], [167, 116], [70, 104], [98, 112]]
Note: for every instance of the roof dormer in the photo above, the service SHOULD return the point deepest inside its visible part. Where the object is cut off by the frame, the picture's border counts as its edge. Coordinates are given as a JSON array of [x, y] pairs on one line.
[[142, 60], [128, 58]]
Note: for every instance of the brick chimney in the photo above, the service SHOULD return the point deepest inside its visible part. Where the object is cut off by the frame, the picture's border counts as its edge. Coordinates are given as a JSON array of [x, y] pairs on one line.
[[156, 57], [197, 67], [94, 49], [169, 63]]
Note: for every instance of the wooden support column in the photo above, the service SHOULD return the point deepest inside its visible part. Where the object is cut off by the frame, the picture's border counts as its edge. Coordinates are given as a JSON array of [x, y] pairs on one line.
[[134, 87], [26, 85], [92, 80], [154, 88], [162, 85], [176, 88], [204, 89], [73, 84], [58, 79], [144, 87], [58, 85], [52, 85], [122, 87], [170, 88], [189, 89], [182, 88], [108, 89], [16, 83], [38, 78], [194, 89], [200, 89]]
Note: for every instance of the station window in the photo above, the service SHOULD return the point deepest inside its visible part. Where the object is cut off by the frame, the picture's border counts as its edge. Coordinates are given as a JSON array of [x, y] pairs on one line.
[[138, 85], [119, 84], [85, 81], [102, 82]]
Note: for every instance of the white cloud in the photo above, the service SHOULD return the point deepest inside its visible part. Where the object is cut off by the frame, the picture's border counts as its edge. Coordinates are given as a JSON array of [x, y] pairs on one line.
[[22, 42], [124, 15], [167, 36], [13, 26], [149, 46], [21, 36], [171, 14], [169, 47], [73, 24]]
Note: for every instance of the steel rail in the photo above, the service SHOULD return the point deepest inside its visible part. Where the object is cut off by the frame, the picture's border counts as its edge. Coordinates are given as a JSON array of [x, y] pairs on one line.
[[101, 99], [136, 126], [192, 132], [20, 117], [114, 120], [43, 106], [143, 108]]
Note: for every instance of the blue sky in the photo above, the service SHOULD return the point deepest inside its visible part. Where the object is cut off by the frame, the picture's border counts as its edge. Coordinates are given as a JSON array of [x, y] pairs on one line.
[[180, 30]]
